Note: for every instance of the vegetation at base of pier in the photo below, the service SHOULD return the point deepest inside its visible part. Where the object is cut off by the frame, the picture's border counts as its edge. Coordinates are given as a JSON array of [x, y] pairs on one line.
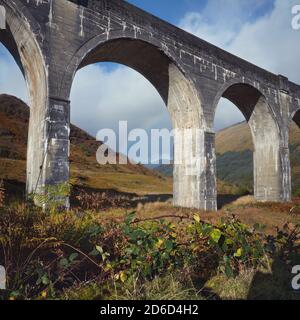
[[119, 253], [234, 160], [123, 239]]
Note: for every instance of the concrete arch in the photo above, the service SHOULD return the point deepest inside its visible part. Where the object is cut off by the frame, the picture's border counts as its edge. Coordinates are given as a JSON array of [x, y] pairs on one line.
[[93, 51], [179, 94], [159, 67], [145, 58], [253, 94], [17, 12], [19, 38], [271, 182], [114, 35]]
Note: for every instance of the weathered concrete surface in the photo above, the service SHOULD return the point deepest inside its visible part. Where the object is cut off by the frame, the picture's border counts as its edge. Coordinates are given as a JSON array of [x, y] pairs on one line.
[[52, 39]]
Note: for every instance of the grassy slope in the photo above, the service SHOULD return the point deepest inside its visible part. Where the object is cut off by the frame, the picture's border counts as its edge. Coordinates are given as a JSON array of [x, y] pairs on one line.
[[85, 171], [233, 145], [238, 138], [235, 159], [234, 148]]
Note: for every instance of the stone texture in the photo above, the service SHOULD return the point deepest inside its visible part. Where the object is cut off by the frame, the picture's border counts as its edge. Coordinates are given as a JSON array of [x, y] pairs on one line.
[[51, 39]]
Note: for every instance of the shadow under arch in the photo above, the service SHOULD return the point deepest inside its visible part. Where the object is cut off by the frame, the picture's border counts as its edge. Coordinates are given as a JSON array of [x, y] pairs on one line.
[[19, 38], [174, 86], [296, 117], [244, 95], [144, 56], [268, 177], [294, 148]]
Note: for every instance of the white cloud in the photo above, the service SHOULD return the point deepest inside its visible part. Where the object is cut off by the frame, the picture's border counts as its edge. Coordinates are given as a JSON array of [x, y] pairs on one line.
[[268, 41], [102, 97], [220, 20], [271, 42], [227, 114]]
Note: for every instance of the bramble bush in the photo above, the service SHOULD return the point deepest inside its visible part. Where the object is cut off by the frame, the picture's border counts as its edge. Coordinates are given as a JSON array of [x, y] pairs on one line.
[[236, 245], [45, 252]]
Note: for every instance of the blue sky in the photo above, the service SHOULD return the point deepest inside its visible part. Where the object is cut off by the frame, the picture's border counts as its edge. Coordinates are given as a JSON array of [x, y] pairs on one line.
[[169, 10], [173, 10], [256, 30]]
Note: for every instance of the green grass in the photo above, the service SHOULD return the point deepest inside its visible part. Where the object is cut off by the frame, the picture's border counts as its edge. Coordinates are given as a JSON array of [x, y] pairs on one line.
[[170, 287], [113, 255], [236, 168]]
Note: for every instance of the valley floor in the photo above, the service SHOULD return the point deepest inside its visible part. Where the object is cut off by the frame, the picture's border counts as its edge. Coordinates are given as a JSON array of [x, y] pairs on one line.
[[114, 245], [112, 203]]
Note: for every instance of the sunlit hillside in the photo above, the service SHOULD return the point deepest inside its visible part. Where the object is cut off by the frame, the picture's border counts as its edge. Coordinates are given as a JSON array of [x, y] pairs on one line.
[[85, 171]]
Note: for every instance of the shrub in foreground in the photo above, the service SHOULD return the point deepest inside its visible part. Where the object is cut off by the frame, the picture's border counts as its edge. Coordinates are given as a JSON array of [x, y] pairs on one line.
[[49, 254]]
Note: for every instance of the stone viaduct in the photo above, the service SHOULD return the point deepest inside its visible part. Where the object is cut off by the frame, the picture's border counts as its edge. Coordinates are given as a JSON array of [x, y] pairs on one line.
[[51, 39]]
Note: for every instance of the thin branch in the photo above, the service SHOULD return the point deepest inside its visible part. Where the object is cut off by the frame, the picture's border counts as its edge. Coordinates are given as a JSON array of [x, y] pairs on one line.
[[162, 217], [82, 253]]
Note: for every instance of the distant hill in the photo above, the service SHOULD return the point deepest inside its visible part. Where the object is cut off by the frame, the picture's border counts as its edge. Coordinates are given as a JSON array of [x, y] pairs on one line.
[[85, 171], [233, 145], [235, 157]]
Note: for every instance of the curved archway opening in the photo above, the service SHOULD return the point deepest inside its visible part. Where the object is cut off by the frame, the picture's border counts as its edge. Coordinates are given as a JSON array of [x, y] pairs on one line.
[[12, 81], [234, 152], [146, 109], [294, 145], [107, 97], [296, 118], [138, 55], [21, 42], [14, 119], [248, 152]]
